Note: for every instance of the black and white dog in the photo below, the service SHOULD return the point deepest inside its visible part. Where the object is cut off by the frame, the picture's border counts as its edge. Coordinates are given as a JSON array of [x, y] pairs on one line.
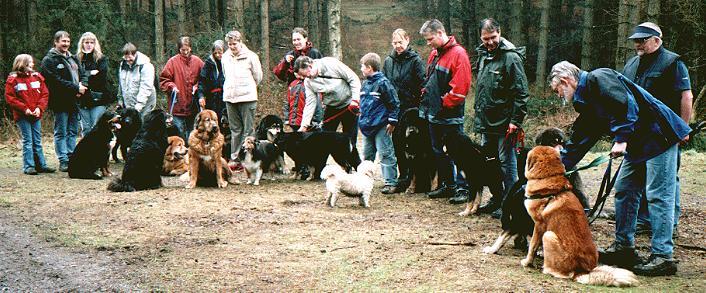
[[312, 149], [268, 129], [130, 124], [258, 156], [415, 142]]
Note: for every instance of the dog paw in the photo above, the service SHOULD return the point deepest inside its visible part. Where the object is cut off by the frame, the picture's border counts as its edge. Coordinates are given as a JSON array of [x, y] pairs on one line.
[[190, 185], [488, 250], [222, 184], [525, 262], [256, 183], [410, 190]]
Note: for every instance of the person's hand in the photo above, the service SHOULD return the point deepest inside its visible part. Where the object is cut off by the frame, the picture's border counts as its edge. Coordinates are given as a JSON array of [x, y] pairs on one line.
[[82, 88], [354, 107], [618, 149], [511, 128], [289, 58], [28, 112], [37, 112], [94, 72], [389, 129], [202, 102], [685, 140], [175, 90]]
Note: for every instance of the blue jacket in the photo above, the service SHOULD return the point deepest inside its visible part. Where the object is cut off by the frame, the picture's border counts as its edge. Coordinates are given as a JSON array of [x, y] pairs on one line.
[[609, 103], [379, 105]]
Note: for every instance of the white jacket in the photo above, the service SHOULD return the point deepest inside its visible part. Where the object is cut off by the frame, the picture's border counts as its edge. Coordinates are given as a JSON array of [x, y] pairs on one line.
[[136, 84], [242, 75]]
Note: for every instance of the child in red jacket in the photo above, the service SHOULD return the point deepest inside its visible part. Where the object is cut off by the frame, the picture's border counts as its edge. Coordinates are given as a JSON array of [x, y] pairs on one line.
[[27, 95]]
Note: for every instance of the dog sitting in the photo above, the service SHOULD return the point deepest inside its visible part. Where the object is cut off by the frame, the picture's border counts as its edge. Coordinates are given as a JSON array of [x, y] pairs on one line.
[[480, 167], [257, 155], [93, 151], [416, 145], [268, 129], [312, 149], [358, 184], [560, 225], [176, 159], [207, 167], [130, 124], [143, 165]]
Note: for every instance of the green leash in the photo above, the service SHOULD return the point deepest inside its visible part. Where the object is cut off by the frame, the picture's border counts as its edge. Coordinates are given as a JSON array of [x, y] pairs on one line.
[[595, 163]]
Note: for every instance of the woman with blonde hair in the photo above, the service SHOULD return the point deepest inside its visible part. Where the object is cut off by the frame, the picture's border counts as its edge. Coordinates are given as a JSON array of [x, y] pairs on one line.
[[95, 64], [28, 96]]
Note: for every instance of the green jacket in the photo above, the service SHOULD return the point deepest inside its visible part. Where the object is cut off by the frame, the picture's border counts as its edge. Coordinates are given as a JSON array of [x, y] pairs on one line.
[[501, 88]]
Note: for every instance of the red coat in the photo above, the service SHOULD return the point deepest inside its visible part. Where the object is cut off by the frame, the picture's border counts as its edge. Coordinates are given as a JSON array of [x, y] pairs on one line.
[[26, 91], [183, 73]]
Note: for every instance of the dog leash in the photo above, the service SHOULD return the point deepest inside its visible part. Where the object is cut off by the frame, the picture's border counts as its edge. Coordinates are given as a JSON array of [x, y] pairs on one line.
[[339, 113], [514, 138], [604, 191], [174, 100]]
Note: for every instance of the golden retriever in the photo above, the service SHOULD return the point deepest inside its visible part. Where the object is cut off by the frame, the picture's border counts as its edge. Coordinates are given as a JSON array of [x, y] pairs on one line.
[[176, 161], [207, 167], [561, 226]]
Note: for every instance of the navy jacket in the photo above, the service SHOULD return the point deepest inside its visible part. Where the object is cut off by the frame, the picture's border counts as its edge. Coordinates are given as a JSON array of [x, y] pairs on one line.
[[211, 85], [609, 103], [379, 105]]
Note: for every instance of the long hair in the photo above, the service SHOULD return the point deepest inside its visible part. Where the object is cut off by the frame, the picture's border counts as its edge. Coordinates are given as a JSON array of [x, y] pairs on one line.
[[97, 52], [21, 63]]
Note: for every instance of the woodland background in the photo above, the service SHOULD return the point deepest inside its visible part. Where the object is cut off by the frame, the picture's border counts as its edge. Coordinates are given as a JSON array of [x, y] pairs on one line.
[[591, 33]]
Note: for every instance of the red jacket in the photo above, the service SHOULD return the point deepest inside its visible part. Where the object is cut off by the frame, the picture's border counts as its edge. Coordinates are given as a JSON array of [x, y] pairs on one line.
[[182, 73], [26, 91]]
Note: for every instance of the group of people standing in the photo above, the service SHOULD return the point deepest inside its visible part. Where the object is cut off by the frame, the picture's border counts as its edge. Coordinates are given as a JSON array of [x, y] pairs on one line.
[[645, 109]]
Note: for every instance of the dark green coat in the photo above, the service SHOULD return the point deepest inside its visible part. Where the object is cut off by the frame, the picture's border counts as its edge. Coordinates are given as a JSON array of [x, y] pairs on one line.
[[501, 88]]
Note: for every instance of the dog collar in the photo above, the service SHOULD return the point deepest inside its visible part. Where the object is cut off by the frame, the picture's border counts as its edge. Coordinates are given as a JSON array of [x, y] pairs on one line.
[[540, 196]]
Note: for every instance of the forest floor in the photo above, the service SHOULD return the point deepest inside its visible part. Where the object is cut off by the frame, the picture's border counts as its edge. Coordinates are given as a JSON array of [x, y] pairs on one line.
[[60, 234]]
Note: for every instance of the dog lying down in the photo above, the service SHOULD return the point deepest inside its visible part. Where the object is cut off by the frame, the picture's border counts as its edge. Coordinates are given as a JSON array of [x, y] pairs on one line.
[[358, 184]]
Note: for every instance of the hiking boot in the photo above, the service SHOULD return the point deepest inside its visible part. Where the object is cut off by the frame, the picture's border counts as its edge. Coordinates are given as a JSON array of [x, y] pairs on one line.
[[30, 171], [461, 196], [390, 189], [656, 266], [489, 207], [442, 192], [619, 255], [64, 166], [46, 169]]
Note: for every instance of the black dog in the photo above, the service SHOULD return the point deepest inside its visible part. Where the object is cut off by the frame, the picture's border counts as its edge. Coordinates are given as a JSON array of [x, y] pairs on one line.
[[224, 125], [143, 165], [130, 123], [312, 149], [271, 124], [414, 143], [93, 151], [480, 167]]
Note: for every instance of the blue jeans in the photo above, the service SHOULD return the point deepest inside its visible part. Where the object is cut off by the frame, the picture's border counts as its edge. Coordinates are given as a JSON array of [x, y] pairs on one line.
[[506, 155], [381, 143], [448, 174], [184, 125], [32, 153], [65, 131], [89, 117], [643, 214], [657, 177]]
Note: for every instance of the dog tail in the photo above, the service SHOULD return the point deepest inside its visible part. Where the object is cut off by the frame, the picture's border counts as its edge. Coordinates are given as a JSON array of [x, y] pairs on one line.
[[118, 185], [608, 276], [354, 160]]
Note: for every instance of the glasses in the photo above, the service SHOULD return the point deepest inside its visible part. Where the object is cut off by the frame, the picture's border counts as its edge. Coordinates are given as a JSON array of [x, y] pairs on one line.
[[641, 40]]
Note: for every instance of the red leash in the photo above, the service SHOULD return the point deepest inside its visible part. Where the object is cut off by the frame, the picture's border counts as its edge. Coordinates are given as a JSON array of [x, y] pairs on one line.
[[334, 116], [514, 138]]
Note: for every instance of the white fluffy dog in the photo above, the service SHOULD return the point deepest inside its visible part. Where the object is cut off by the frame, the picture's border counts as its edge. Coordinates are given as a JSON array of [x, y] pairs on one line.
[[358, 184]]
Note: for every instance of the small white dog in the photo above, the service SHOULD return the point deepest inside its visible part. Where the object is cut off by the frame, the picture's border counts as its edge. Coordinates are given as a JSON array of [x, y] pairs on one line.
[[358, 184]]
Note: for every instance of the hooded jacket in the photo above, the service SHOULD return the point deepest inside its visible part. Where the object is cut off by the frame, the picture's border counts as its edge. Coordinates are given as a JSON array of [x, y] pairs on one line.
[[181, 73], [26, 91], [448, 80], [609, 103], [61, 82], [501, 88], [285, 70], [406, 73], [379, 105], [136, 84], [242, 75]]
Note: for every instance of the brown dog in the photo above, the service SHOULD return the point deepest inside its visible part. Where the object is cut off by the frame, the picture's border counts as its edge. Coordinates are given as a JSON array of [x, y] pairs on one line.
[[561, 226], [206, 163], [176, 161]]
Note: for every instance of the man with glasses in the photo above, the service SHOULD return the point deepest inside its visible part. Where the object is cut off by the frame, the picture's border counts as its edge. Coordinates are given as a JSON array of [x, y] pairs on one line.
[[664, 75]]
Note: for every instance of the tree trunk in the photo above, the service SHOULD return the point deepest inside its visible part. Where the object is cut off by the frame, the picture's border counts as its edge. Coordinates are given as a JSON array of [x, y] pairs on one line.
[[444, 12], [313, 9], [622, 34], [432, 8], [298, 13], [181, 17], [265, 35], [334, 26], [634, 17], [206, 15], [516, 22], [653, 10], [237, 20], [542, 44], [587, 36], [469, 26], [159, 31], [323, 28], [4, 58]]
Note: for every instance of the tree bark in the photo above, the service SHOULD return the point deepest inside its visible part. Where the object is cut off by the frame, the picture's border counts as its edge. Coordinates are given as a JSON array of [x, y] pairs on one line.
[[653, 10], [265, 35], [516, 22], [313, 8], [159, 31], [444, 12], [298, 13], [542, 44], [206, 15], [323, 28], [181, 17], [634, 17], [432, 8], [237, 20], [334, 25], [469, 23], [587, 36], [622, 34]]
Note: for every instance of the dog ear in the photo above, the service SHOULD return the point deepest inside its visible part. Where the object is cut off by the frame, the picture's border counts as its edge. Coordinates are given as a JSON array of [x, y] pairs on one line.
[[197, 121]]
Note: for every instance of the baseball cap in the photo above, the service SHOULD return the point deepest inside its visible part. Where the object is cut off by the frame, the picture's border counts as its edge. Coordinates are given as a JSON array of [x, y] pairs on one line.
[[645, 30]]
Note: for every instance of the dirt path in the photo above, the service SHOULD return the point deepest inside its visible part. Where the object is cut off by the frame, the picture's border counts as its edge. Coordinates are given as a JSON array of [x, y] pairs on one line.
[[28, 263]]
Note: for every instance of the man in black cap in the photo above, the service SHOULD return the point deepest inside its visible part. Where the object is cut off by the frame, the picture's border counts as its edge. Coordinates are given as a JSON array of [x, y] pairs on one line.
[[665, 76]]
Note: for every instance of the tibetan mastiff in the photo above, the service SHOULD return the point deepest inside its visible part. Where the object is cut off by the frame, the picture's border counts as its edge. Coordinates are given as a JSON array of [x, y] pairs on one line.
[[176, 159], [207, 167]]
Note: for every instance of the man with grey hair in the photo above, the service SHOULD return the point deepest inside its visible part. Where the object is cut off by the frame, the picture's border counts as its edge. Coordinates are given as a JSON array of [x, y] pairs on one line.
[[647, 133], [663, 74]]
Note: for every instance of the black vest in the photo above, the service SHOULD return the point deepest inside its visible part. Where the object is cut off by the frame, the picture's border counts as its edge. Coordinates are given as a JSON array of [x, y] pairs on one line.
[[658, 77]]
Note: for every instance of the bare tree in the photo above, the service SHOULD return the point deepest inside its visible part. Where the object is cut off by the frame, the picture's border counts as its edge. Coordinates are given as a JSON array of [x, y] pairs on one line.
[[542, 43], [238, 15], [622, 34], [469, 23], [516, 22], [206, 15], [334, 29], [181, 17], [159, 31], [313, 9], [587, 36], [298, 13], [323, 28], [265, 34]]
